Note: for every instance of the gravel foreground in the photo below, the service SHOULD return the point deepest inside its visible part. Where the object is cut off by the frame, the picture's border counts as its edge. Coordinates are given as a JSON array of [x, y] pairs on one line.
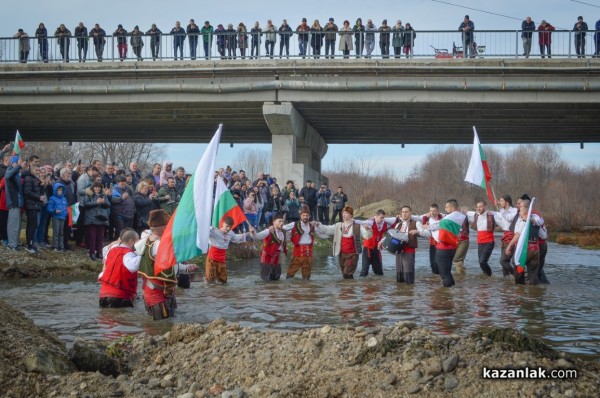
[[226, 360]]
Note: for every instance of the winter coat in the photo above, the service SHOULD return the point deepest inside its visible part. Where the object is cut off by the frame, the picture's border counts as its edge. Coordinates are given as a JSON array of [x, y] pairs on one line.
[[339, 200], [154, 36], [168, 205], [545, 34], [122, 208], [346, 39], [255, 34], [331, 32], [24, 45], [242, 38], [580, 33], [71, 191], [42, 35], [303, 32], [58, 202], [32, 191], [193, 34], [359, 34], [310, 196], [81, 34], [323, 198], [271, 33], [164, 174], [293, 208], [143, 205], [316, 37], [468, 35], [409, 37], [95, 214], [285, 32], [178, 36], [3, 205], [370, 36], [99, 37], [384, 35], [207, 33], [527, 29], [14, 187], [398, 36], [121, 35], [136, 39], [250, 206]]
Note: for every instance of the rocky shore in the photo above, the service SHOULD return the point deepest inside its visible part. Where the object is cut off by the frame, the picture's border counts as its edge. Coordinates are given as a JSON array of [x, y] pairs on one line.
[[226, 360]]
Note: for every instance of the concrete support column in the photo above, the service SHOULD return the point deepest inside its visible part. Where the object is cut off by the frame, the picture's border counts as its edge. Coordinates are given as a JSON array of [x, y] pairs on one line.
[[297, 147]]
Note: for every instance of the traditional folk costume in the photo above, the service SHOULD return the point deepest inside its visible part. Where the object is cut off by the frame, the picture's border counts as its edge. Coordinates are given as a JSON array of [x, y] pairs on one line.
[[504, 218], [532, 262], [445, 250], [216, 269], [346, 243], [371, 255], [159, 289], [484, 224], [303, 239], [119, 277], [426, 221], [405, 259], [274, 244], [462, 248]]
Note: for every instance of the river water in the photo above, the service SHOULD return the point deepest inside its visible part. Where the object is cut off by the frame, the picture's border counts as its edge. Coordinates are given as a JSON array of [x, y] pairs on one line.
[[565, 314]]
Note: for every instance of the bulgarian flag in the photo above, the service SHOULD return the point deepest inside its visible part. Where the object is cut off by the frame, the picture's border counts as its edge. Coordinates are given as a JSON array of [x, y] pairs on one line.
[[226, 206], [186, 234], [449, 228], [478, 172], [523, 242], [73, 214], [19, 144]]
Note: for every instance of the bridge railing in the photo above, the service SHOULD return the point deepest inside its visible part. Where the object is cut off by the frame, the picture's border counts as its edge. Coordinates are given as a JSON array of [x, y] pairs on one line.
[[225, 46]]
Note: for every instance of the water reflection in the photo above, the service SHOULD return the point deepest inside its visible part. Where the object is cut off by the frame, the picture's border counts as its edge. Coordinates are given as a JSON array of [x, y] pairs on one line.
[[565, 313]]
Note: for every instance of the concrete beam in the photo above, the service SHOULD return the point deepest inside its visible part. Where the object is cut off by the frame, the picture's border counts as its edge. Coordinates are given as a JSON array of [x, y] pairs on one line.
[[297, 146]]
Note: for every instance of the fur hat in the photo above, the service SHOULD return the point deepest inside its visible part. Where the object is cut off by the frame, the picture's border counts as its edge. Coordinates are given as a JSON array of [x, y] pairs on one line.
[[525, 197], [348, 209], [304, 209], [158, 218]]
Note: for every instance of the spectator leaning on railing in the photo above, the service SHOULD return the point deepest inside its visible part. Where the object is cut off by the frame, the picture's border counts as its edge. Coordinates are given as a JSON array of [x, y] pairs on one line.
[[24, 45]]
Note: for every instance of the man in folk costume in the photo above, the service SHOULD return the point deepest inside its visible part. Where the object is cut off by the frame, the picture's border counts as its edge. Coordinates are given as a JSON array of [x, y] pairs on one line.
[[303, 238], [484, 223], [533, 250], [446, 234], [371, 255], [507, 213], [118, 279], [434, 216], [219, 240], [346, 241], [274, 244], [405, 259], [159, 289]]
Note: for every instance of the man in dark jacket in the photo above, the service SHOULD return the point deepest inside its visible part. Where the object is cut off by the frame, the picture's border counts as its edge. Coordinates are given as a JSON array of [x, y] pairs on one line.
[[155, 35], [323, 197], [123, 206], [467, 27], [193, 31], [98, 36], [34, 198], [339, 200], [310, 196], [580, 28], [121, 35], [63, 35], [108, 177], [71, 195], [81, 33], [178, 39], [527, 27], [168, 196]]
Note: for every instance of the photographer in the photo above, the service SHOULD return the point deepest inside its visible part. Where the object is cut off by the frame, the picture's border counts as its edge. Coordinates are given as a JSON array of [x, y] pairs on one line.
[[323, 197], [339, 200]]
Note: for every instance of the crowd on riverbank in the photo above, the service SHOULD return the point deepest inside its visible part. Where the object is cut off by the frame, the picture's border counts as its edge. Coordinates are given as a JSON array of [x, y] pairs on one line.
[[327, 38]]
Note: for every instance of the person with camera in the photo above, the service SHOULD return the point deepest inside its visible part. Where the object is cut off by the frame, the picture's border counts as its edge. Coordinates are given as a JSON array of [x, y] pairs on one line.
[[339, 200], [323, 198], [123, 207], [168, 196], [580, 28], [143, 199], [331, 31]]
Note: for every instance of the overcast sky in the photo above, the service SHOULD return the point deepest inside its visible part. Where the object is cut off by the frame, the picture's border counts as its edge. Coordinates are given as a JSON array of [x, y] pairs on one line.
[[422, 14]]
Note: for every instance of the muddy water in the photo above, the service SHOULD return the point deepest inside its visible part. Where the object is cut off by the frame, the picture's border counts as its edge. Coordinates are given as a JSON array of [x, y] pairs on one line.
[[565, 314]]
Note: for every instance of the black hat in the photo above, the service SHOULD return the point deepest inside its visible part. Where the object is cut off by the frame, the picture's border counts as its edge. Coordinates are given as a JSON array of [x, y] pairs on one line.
[[525, 197], [120, 26], [580, 18], [331, 19], [467, 16]]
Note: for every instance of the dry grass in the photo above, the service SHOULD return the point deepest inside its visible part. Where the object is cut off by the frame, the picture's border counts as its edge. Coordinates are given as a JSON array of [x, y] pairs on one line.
[[584, 239]]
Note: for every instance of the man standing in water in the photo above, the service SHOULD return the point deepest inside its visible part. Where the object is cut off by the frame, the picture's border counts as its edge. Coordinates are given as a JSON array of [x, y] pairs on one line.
[[303, 238], [434, 216], [483, 222], [507, 213], [273, 246], [371, 255]]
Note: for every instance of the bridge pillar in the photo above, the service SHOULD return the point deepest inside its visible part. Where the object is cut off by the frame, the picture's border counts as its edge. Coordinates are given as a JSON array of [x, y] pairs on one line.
[[297, 148]]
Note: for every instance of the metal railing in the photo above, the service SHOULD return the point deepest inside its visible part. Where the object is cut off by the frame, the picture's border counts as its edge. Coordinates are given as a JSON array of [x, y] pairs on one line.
[[229, 46]]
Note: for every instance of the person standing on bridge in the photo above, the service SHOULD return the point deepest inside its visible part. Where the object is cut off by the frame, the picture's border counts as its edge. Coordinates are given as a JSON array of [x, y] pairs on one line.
[[207, 35], [121, 35], [137, 43], [270, 38], [230, 41], [155, 37], [370, 37], [178, 38], [98, 35], [409, 40], [597, 39], [81, 33], [221, 40], [527, 29], [580, 28], [359, 37], [398, 38], [316, 38], [384, 39], [331, 31], [467, 27], [255, 33], [545, 38], [23, 45], [63, 36], [303, 33], [242, 38], [285, 32], [42, 35], [193, 31]]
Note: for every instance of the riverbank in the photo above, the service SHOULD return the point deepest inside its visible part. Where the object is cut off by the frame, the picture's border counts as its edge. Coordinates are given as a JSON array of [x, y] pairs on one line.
[[226, 360], [588, 239]]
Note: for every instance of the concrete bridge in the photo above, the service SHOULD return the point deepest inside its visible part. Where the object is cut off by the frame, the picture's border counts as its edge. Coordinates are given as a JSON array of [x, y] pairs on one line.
[[303, 105]]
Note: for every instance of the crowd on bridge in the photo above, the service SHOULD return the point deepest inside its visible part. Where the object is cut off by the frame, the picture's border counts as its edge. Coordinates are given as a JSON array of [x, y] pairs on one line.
[[322, 39]]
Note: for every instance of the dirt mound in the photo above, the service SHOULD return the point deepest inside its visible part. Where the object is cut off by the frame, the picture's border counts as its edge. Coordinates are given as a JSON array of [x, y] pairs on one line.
[[391, 208]]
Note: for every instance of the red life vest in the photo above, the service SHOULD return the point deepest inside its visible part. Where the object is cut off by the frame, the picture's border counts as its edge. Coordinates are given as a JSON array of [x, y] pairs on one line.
[[302, 250], [271, 249], [116, 280], [486, 236], [372, 242]]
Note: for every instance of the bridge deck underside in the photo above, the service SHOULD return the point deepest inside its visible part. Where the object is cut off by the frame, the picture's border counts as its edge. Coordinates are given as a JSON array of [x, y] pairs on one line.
[[338, 122]]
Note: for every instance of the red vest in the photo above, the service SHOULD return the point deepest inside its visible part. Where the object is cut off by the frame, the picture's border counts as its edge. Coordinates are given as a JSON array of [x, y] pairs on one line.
[[116, 280], [302, 250], [464, 231], [270, 250], [372, 242], [486, 236]]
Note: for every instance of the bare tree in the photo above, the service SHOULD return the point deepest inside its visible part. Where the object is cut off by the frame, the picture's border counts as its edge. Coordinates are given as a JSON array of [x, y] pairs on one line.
[[253, 161], [122, 153], [50, 153]]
